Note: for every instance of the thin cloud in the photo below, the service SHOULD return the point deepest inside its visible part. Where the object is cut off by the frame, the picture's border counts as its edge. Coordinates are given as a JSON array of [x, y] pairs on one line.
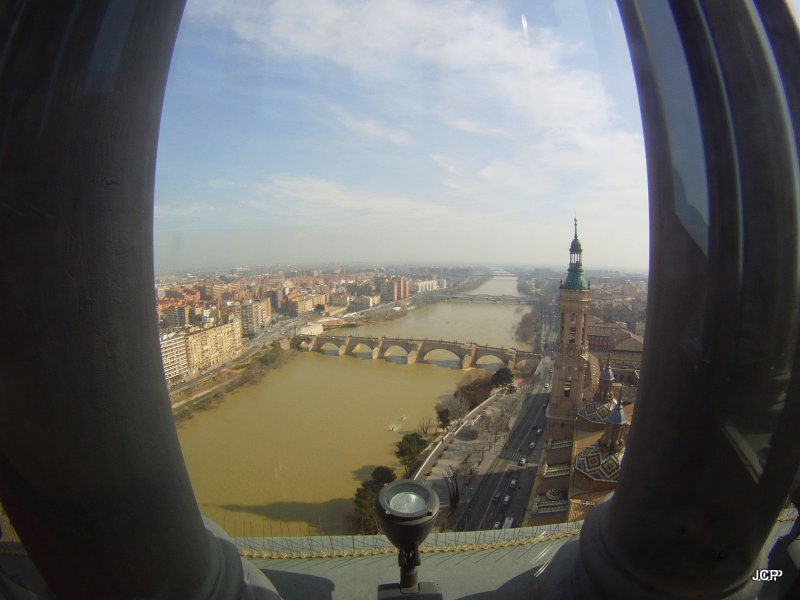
[[479, 128], [220, 184], [370, 127]]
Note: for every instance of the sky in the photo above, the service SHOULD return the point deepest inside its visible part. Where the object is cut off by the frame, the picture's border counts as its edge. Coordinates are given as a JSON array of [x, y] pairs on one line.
[[400, 131]]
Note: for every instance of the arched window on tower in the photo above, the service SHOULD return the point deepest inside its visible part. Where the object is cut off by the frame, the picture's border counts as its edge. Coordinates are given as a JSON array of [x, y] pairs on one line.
[[567, 386], [573, 320]]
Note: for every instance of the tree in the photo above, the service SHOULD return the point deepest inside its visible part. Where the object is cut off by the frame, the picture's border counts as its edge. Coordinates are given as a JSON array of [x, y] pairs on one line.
[[425, 424], [442, 415], [383, 475], [502, 377], [461, 407], [319, 309], [364, 504], [364, 501], [409, 450]]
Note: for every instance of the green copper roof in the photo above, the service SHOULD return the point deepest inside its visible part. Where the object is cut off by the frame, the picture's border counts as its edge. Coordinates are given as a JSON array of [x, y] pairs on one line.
[[575, 280]]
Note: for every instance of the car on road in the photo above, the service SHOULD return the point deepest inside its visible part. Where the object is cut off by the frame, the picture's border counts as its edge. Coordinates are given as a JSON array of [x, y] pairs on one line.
[[532, 445], [497, 497], [547, 386], [522, 462], [513, 484], [508, 472], [506, 500], [538, 432], [496, 525]]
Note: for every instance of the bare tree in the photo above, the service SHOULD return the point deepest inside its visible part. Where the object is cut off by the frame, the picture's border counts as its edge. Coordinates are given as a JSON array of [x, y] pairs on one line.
[[459, 408], [425, 423]]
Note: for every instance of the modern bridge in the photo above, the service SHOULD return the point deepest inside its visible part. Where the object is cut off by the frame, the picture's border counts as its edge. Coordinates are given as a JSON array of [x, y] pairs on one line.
[[417, 350], [485, 299]]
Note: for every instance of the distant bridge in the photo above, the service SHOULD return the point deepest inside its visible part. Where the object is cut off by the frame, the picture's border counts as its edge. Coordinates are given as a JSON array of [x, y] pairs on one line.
[[485, 299], [417, 350]]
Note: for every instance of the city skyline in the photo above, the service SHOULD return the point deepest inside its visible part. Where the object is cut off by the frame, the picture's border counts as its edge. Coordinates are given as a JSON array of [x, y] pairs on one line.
[[456, 132]]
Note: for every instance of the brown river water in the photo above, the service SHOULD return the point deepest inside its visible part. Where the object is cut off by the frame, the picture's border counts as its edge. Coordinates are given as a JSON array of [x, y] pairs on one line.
[[285, 455]]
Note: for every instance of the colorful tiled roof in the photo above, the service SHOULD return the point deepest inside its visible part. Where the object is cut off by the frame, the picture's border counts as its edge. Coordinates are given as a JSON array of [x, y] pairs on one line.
[[595, 411], [599, 464]]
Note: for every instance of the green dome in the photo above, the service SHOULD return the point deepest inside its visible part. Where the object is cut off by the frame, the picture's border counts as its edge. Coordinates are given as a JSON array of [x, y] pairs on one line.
[[575, 280]]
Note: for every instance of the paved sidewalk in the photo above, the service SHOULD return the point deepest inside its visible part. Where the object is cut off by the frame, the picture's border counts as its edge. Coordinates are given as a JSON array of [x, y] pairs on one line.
[[458, 446]]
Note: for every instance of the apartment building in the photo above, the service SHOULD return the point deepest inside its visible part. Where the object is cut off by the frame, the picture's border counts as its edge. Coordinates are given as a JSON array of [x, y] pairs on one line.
[[253, 315], [173, 355]]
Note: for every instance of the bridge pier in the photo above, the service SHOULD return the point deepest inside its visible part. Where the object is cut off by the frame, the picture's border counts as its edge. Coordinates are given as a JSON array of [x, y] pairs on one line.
[[415, 354], [468, 360], [312, 344]]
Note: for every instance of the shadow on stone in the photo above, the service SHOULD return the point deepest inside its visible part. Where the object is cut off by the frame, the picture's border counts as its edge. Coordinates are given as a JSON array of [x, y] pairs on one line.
[[296, 586], [520, 586], [328, 514]]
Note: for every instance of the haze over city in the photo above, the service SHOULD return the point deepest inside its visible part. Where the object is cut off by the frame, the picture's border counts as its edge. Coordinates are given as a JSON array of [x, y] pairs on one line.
[[404, 131]]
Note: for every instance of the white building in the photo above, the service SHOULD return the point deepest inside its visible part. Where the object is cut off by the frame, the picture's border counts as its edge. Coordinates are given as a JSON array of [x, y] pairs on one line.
[[174, 355], [426, 285], [312, 329]]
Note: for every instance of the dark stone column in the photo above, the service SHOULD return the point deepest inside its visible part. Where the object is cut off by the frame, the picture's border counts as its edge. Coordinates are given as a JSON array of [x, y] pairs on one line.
[[91, 473], [712, 449]]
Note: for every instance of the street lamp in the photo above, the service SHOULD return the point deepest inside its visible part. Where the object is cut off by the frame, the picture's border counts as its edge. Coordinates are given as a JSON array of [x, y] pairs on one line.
[[407, 511]]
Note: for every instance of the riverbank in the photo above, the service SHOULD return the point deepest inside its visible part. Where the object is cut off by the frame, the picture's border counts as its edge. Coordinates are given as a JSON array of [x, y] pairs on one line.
[[249, 372], [473, 283]]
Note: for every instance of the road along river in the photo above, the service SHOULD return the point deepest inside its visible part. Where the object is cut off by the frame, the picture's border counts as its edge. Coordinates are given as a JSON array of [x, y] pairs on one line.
[[288, 452]]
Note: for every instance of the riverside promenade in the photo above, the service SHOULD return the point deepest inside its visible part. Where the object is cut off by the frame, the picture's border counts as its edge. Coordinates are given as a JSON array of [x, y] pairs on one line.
[[458, 446]]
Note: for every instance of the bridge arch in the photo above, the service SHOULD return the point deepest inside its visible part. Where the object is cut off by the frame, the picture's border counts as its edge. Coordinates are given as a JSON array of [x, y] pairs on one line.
[[489, 359], [389, 345], [427, 351], [327, 346], [362, 347]]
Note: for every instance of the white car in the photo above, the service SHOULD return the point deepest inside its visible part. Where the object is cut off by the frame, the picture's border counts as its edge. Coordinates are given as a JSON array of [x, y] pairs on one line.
[[532, 445], [513, 484], [497, 525], [523, 462]]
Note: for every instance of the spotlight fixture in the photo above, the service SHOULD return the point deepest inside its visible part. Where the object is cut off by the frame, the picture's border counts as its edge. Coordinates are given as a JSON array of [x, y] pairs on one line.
[[407, 510]]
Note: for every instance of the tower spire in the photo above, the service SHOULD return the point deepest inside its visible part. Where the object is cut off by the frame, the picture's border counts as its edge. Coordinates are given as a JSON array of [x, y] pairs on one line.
[[575, 280]]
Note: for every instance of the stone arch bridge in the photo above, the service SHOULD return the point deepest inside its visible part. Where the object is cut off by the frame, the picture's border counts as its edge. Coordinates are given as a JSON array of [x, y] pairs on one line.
[[417, 350]]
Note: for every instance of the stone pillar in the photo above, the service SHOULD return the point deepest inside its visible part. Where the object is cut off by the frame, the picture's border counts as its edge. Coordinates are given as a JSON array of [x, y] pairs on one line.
[[468, 360], [415, 354], [382, 347], [91, 472]]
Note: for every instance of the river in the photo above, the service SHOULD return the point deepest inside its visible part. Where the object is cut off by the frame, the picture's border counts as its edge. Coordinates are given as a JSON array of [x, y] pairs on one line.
[[288, 452]]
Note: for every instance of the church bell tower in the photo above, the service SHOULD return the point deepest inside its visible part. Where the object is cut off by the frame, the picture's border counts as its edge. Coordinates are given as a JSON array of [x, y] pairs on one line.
[[572, 350]]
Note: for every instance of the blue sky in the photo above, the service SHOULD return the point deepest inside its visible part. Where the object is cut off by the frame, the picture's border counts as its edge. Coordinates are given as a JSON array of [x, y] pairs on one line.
[[400, 131]]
